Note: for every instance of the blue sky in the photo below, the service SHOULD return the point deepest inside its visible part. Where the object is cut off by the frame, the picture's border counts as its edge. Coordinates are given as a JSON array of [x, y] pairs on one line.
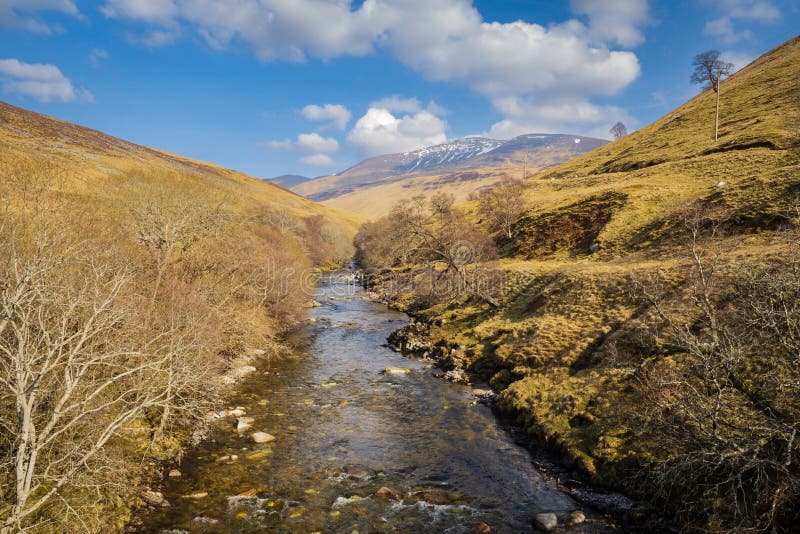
[[311, 87]]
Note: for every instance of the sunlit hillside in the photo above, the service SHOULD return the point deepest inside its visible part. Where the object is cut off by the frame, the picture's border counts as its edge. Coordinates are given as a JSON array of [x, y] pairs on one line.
[[595, 339]]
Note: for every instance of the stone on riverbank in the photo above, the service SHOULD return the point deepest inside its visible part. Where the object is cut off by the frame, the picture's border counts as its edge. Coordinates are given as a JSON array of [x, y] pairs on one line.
[[155, 498]]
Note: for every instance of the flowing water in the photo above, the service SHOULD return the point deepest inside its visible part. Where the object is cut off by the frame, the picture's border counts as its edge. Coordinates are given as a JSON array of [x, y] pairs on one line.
[[344, 430]]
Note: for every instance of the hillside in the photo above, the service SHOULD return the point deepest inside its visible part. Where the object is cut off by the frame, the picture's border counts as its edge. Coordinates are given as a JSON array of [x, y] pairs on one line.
[[137, 287], [288, 181], [459, 167], [607, 336]]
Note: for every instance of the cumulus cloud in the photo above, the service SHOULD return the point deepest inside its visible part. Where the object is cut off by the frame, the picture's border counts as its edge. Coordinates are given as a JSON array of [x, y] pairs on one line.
[[335, 114], [22, 13], [733, 11], [317, 160], [565, 116], [381, 132], [399, 104], [44, 82], [307, 142], [618, 21], [444, 40]]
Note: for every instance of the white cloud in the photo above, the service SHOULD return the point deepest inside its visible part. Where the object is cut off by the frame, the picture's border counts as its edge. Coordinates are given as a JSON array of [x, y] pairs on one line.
[[739, 59], [444, 40], [618, 21], [380, 132], [308, 142], [399, 104], [733, 11], [723, 29], [565, 116], [336, 114], [21, 13], [317, 160], [313, 142], [154, 38], [44, 82], [97, 56], [156, 11]]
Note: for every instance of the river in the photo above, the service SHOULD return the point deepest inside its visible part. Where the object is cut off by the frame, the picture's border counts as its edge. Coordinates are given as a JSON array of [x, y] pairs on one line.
[[343, 430]]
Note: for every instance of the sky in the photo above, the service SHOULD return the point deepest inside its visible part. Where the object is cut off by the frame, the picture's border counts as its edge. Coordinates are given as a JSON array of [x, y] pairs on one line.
[[311, 87]]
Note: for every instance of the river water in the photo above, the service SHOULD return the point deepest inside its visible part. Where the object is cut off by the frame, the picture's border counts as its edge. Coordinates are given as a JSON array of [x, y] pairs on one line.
[[344, 430]]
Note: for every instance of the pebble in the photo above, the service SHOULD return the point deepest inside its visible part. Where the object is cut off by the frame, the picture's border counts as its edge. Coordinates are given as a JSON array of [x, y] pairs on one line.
[[174, 473]]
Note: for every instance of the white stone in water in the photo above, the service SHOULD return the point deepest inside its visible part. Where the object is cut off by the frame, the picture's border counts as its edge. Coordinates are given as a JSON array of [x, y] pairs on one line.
[[720, 184], [546, 522], [395, 371], [262, 437]]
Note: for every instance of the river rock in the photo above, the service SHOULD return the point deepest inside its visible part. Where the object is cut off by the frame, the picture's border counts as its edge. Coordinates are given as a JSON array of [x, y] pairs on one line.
[[236, 412], [244, 423], [576, 518], [262, 437], [155, 498], [546, 522], [396, 371], [456, 375], [174, 473], [388, 494], [480, 528], [196, 496], [614, 503]]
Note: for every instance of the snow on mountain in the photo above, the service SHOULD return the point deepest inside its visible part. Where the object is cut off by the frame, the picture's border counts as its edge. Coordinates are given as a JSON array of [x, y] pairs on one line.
[[447, 153]]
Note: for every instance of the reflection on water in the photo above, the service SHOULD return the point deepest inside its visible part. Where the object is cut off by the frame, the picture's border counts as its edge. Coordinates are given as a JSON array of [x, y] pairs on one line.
[[343, 431]]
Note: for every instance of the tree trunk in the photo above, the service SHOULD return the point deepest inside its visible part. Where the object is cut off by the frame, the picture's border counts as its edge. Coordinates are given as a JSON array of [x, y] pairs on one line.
[[716, 120]]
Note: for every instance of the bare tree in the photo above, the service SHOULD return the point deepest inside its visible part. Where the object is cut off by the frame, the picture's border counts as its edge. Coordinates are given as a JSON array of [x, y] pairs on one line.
[[709, 71], [73, 377], [725, 391], [503, 205], [618, 131]]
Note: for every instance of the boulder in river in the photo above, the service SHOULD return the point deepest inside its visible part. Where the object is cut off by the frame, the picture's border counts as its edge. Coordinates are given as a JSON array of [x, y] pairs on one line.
[[576, 518], [546, 522], [388, 494], [396, 371], [262, 437], [480, 528]]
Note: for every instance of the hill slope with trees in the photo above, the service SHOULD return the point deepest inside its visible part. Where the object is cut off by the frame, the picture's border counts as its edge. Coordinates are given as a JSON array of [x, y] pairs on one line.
[[637, 309]]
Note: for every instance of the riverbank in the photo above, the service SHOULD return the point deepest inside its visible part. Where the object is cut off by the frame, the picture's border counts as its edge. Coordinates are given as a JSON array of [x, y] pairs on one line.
[[556, 462]]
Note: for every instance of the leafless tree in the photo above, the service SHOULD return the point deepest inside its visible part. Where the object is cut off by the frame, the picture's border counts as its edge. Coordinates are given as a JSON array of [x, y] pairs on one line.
[[73, 377], [725, 403], [503, 205], [709, 71], [618, 131]]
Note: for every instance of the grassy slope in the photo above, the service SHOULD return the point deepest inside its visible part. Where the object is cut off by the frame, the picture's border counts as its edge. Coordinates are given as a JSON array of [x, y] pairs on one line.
[[94, 164], [561, 348]]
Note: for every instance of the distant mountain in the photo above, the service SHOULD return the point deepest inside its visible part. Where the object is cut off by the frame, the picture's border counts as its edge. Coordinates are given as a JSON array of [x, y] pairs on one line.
[[289, 180], [460, 166]]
